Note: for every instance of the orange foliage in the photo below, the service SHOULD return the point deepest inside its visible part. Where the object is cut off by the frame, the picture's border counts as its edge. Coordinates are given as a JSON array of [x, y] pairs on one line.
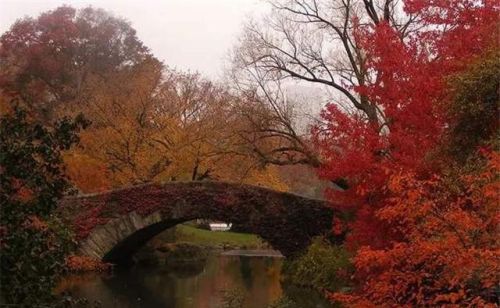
[[423, 186], [149, 123], [87, 173], [182, 128], [450, 253], [76, 263], [36, 223]]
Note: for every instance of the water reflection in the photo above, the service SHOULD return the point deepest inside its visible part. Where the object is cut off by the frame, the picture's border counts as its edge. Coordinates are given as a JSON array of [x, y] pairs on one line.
[[201, 285]]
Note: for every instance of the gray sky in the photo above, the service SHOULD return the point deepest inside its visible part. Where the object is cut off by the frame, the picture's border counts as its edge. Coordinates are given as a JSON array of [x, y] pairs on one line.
[[190, 35]]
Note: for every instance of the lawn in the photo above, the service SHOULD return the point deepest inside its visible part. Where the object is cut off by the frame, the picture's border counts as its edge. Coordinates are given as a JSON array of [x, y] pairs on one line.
[[186, 233]]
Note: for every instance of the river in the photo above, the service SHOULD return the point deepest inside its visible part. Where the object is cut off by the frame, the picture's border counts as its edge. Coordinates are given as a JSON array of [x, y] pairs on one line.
[[252, 280]]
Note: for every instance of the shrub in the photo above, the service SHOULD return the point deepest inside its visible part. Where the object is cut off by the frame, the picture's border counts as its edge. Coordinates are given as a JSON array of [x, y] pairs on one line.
[[33, 242], [322, 267]]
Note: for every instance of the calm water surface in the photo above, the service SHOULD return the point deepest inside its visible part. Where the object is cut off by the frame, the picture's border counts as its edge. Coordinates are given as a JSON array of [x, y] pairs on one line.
[[202, 285]]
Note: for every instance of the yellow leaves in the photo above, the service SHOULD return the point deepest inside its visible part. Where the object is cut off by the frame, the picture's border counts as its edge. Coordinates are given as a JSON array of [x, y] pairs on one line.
[[87, 173], [267, 177], [151, 129]]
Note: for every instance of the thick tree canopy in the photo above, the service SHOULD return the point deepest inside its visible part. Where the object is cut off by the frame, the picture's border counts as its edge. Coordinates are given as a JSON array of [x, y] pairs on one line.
[[423, 203], [149, 123], [49, 61]]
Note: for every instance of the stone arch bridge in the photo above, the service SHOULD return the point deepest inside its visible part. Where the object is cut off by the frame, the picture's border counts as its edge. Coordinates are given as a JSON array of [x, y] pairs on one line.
[[113, 225]]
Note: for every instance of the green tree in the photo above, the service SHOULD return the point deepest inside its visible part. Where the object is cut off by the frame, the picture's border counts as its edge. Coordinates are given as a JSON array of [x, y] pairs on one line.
[[474, 107], [33, 241], [323, 267]]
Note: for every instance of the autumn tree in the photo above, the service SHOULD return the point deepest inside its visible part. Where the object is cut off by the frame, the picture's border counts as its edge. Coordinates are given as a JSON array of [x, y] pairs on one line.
[[448, 252], [58, 64], [175, 126], [423, 227], [315, 42], [33, 241], [47, 61], [274, 134], [148, 123], [118, 142], [156, 125]]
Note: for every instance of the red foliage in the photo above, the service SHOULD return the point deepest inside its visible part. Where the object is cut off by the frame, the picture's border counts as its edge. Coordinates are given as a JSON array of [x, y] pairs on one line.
[[80, 264], [449, 255], [99, 210], [35, 223], [271, 214], [46, 60], [417, 242], [409, 90]]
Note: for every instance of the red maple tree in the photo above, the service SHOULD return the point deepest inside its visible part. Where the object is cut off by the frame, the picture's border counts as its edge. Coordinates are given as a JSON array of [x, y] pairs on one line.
[[394, 229]]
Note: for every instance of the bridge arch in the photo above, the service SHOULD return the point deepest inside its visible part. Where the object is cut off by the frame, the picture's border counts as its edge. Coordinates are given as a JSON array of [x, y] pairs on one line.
[[113, 225]]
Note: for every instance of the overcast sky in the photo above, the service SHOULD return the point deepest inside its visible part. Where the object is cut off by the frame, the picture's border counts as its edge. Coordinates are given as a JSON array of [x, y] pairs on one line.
[[191, 35]]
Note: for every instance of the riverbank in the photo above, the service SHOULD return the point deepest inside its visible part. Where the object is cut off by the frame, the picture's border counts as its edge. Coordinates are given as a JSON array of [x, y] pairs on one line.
[[186, 244], [268, 253]]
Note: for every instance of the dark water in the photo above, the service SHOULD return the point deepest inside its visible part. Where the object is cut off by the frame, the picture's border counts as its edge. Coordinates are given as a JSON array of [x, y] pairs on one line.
[[253, 280]]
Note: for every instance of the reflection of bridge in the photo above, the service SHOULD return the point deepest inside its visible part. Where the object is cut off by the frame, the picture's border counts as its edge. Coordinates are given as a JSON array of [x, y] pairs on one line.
[[112, 226]]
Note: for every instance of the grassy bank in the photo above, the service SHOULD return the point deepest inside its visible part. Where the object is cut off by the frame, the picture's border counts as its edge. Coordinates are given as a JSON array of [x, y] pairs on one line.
[[186, 233]]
